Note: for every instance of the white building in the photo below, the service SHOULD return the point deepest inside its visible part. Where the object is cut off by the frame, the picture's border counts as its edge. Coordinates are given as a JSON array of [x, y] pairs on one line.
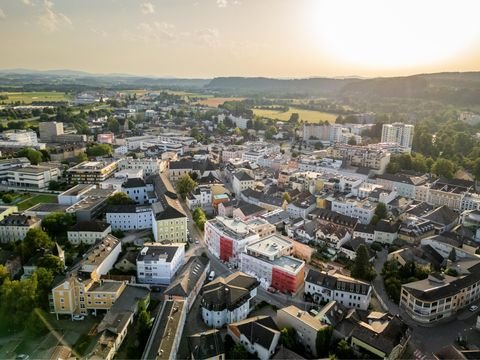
[[15, 227], [327, 286], [201, 197], [149, 166], [226, 238], [33, 177], [363, 210], [399, 133], [158, 264], [18, 139], [138, 191], [129, 217], [88, 232], [227, 300], [242, 180]]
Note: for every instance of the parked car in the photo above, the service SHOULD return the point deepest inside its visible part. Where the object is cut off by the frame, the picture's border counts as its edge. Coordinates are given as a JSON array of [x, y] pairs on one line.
[[211, 276], [272, 290], [22, 357], [197, 242], [473, 308], [78, 317]]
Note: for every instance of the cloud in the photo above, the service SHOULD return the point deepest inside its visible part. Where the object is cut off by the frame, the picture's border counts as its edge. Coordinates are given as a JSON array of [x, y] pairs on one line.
[[28, 2], [210, 37], [51, 20], [222, 3], [148, 8], [2, 14], [151, 33]]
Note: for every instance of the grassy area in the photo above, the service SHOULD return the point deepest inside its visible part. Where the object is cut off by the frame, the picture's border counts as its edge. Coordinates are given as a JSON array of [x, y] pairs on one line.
[[29, 97], [309, 116], [216, 101], [36, 199]]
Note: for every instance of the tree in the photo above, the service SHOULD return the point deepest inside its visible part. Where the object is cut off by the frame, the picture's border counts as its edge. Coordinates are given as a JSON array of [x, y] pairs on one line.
[[344, 350], [352, 141], [57, 223], [381, 211], [113, 125], [99, 150], [44, 286], [184, 185], [81, 157], [34, 156], [286, 197], [143, 324], [119, 198], [3, 274], [322, 343], [288, 337], [199, 217], [52, 263], [238, 352], [362, 268], [54, 185], [294, 118], [34, 240], [444, 167]]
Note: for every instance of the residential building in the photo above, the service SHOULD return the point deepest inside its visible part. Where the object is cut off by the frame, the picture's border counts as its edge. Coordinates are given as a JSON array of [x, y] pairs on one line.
[[207, 345], [364, 231], [259, 335], [15, 227], [81, 290], [227, 300], [226, 238], [189, 281], [386, 232], [88, 232], [49, 130], [158, 264], [91, 172], [441, 295], [302, 207], [129, 217], [139, 191], [363, 210], [328, 286], [368, 156], [242, 180], [399, 133], [170, 223], [200, 197], [305, 325], [33, 177], [6, 210], [404, 185], [270, 260], [245, 211], [149, 166], [202, 168]]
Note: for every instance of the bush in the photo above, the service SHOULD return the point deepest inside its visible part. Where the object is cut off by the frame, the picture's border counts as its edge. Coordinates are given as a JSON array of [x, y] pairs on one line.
[[118, 233]]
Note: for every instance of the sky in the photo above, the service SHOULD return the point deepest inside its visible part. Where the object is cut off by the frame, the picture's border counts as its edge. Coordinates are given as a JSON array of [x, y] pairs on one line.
[[271, 38]]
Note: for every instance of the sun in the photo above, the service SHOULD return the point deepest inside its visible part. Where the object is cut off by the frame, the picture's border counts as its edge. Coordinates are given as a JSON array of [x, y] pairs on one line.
[[394, 34]]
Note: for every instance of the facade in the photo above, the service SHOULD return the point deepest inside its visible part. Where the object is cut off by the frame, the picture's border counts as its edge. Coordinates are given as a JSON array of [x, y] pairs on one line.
[[129, 217], [328, 286], [75, 194], [50, 130], [158, 264], [370, 157], [81, 290], [304, 324], [18, 139], [7, 164], [14, 227], [201, 197], [227, 300], [399, 133], [363, 210], [149, 166], [88, 232], [241, 181], [91, 172], [440, 295], [138, 191], [270, 260], [33, 177], [226, 238], [170, 224]]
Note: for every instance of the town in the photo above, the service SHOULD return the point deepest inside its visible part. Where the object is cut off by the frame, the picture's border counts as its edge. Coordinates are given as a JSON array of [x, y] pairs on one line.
[[156, 224]]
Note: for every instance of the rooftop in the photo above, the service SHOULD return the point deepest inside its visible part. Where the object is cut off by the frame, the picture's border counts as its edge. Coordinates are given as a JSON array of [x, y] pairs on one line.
[[156, 252]]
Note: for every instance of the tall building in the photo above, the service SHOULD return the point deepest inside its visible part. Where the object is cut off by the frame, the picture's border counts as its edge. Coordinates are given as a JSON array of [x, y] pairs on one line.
[[50, 130], [399, 133]]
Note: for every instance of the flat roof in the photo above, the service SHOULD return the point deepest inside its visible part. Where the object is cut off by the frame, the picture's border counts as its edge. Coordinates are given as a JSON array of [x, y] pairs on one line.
[[232, 227], [270, 246], [77, 190]]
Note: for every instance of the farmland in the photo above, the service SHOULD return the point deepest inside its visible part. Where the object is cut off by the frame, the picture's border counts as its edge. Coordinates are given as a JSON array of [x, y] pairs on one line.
[[216, 101], [309, 116], [29, 97]]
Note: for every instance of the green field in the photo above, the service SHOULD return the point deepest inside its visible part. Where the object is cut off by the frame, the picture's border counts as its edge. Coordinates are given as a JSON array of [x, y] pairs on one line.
[[29, 97], [309, 116], [36, 199]]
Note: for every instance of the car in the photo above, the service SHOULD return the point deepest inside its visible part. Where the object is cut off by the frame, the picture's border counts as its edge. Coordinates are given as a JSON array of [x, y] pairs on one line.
[[197, 242], [211, 276], [272, 290], [22, 357], [78, 317], [473, 308]]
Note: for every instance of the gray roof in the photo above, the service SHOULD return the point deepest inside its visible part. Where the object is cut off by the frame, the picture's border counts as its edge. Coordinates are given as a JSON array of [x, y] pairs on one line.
[[188, 277], [153, 252], [332, 282], [206, 345]]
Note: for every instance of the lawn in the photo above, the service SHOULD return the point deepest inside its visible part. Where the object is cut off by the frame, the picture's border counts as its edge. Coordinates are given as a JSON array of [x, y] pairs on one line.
[[29, 97], [36, 199], [309, 116]]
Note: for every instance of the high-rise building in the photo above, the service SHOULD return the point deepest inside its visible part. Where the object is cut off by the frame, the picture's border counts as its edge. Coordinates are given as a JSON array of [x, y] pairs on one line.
[[399, 133], [50, 130]]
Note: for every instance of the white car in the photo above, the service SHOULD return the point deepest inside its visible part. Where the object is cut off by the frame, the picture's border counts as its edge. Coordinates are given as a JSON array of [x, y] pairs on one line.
[[78, 317], [473, 308]]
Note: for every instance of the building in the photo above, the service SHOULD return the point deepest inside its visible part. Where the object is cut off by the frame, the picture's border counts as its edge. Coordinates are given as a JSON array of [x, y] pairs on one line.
[[106, 138], [7, 164], [386, 232], [91, 172], [81, 290], [363, 210], [19, 139], [328, 286], [207, 345], [304, 324], [227, 300], [242, 181], [158, 264], [33, 177], [371, 157], [200, 197], [226, 238], [189, 281], [442, 295], [75, 194], [15, 227], [139, 191], [258, 335], [88, 232], [302, 207], [399, 133], [129, 217], [91, 205], [50, 130], [404, 185], [7, 210], [149, 166], [170, 223], [270, 261]]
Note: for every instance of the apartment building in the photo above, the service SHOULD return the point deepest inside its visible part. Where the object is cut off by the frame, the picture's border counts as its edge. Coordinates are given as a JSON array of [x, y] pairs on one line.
[[158, 264], [227, 300], [270, 260], [33, 177], [363, 210], [328, 286], [91, 172], [81, 291], [201, 197], [404, 185], [139, 191], [19, 139], [440, 295], [149, 166], [226, 238], [242, 180], [170, 223], [88, 232], [398, 133], [129, 217], [370, 157], [15, 227]]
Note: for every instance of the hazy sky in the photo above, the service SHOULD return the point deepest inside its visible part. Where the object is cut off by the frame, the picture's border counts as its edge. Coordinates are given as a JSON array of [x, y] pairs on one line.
[[206, 38]]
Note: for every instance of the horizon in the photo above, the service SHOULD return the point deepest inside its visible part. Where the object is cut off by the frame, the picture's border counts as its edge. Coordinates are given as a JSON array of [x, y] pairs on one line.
[[284, 39]]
